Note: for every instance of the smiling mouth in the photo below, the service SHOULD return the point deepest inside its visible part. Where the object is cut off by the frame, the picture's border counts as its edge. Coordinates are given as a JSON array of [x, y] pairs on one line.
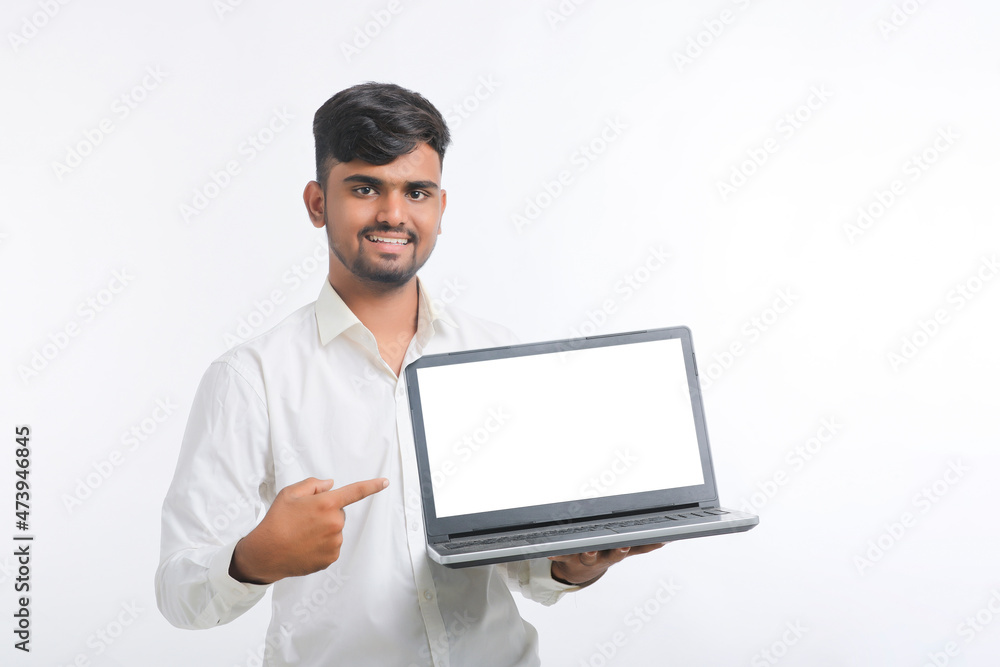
[[387, 239]]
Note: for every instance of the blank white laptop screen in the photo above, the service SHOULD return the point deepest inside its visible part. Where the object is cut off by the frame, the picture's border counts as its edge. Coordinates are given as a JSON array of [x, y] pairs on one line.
[[559, 427]]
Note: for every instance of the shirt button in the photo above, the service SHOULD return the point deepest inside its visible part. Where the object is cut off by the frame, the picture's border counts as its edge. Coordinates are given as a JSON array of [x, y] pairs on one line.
[[414, 526], [428, 595]]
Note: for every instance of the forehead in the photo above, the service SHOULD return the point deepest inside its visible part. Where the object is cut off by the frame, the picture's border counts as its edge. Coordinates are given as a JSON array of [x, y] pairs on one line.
[[421, 164]]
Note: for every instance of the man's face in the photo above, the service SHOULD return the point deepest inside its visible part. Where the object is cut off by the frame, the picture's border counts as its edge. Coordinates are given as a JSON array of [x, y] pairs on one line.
[[382, 221]]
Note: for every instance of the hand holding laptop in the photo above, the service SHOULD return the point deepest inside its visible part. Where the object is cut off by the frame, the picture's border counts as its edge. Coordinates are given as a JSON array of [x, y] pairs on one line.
[[585, 568]]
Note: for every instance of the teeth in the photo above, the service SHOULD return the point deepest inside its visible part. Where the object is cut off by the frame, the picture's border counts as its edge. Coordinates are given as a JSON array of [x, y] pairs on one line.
[[383, 239]]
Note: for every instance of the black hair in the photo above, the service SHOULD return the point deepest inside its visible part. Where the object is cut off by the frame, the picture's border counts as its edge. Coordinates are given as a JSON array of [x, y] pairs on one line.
[[376, 123]]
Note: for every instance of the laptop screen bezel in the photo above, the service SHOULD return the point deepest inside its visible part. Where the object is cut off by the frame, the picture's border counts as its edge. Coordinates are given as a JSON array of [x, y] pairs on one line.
[[440, 528]]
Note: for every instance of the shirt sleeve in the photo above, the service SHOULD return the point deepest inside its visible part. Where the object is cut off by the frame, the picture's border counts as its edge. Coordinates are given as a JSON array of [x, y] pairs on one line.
[[533, 579], [219, 487]]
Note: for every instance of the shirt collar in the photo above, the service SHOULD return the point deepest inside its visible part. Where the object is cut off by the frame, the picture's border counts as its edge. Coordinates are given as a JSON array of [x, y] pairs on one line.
[[334, 317]]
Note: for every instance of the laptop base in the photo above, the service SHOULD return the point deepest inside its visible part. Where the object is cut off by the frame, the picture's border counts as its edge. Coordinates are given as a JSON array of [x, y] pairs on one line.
[[540, 543]]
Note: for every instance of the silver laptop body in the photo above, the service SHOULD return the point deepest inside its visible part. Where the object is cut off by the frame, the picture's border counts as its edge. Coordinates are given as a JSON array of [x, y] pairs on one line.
[[565, 446]]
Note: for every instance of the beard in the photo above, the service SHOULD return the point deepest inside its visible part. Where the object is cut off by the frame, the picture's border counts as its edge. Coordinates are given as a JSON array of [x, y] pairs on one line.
[[370, 267], [394, 272]]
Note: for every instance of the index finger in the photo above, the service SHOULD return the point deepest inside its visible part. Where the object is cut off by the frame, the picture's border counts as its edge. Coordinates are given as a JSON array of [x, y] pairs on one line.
[[581, 557], [646, 548], [352, 493]]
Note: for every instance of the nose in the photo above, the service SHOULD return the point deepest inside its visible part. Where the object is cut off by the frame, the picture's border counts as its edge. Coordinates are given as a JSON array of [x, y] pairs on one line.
[[392, 208]]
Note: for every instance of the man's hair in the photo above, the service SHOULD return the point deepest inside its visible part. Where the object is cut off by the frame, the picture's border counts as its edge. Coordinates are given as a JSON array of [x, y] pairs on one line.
[[375, 122]]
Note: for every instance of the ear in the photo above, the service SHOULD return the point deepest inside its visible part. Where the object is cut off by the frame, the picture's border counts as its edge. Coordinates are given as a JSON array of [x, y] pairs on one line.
[[315, 202], [444, 205]]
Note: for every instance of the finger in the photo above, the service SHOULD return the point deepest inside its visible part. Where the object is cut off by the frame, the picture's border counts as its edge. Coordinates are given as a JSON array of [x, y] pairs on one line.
[[352, 493], [589, 558], [646, 548], [616, 555], [308, 487]]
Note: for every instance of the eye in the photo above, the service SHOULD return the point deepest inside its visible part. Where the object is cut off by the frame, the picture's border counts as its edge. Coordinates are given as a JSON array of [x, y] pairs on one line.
[[418, 195], [364, 190]]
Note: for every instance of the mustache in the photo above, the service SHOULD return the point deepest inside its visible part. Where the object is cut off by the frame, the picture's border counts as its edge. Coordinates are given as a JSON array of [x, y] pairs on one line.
[[375, 229]]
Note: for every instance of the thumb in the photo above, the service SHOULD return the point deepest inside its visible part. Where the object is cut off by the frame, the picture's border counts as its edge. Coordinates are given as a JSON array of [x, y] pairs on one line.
[[308, 487]]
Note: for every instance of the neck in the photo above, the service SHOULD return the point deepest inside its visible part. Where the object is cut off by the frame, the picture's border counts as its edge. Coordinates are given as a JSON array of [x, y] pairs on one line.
[[388, 311]]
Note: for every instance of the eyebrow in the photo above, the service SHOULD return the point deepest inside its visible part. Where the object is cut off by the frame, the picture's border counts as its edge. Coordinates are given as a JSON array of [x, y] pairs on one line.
[[378, 182]]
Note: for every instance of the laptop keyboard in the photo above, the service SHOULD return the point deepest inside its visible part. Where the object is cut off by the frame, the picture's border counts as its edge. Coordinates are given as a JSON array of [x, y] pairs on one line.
[[517, 538]]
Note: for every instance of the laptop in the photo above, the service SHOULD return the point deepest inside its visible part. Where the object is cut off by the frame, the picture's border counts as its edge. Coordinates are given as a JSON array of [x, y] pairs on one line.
[[561, 447]]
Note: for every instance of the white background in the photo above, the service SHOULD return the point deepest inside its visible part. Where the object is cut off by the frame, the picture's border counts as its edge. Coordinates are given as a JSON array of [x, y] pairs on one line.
[[673, 131]]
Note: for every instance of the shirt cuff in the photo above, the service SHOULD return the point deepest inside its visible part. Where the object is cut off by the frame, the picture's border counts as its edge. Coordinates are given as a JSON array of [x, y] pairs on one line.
[[546, 589], [229, 593]]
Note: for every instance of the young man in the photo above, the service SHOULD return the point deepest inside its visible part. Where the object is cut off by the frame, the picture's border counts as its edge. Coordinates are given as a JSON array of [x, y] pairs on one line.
[[311, 421]]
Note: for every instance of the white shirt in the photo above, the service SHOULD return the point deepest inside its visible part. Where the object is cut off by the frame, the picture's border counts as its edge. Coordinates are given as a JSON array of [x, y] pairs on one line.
[[313, 398]]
